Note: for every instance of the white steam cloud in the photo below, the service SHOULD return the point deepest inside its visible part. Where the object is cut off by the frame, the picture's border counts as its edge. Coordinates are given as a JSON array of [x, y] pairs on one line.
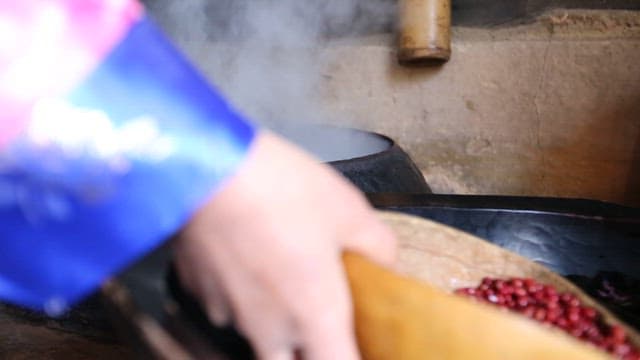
[[264, 55]]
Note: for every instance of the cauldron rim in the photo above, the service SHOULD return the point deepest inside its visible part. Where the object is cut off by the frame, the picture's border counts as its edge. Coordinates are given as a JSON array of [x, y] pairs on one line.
[[282, 130], [392, 145], [387, 170]]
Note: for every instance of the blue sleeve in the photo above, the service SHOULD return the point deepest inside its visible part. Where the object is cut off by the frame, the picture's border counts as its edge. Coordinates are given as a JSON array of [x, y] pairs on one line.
[[107, 173]]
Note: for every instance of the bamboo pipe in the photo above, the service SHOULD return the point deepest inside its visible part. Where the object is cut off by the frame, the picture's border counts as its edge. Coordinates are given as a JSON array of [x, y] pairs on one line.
[[425, 31]]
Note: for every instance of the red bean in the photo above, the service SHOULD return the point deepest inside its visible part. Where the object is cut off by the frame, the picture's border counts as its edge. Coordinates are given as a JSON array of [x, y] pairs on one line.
[[589, 313], [618, 333], [523, 301], [562, 310]]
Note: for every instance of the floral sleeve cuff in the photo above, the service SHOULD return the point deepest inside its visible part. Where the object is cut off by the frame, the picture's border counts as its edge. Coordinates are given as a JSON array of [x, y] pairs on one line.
[[104, 174]]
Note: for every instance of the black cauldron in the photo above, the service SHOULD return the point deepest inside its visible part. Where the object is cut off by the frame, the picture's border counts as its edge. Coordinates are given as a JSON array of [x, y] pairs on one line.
[[373, 162]]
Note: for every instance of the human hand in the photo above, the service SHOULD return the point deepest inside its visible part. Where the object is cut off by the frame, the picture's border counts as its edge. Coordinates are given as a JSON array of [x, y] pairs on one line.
[[265, 253]]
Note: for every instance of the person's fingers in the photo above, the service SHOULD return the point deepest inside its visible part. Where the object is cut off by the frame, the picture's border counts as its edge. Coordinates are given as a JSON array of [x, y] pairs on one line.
[[213, 300], [216, 304], [270, 339], [277, 354], [327, 322], [207, 289], [261, 314], [375, 241]]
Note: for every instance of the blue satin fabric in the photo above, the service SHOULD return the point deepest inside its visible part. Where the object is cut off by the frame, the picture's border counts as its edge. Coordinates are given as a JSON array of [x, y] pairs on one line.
[[74, 213]]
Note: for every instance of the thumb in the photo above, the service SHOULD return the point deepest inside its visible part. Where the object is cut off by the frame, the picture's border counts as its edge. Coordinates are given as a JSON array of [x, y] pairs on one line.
[[373, 239]]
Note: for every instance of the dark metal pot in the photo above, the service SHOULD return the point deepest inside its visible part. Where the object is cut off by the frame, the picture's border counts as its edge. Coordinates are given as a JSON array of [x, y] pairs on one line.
[[373, 162]]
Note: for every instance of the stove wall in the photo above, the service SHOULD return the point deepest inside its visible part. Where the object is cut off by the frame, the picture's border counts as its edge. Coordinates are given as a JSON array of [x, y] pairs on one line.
[[547, 107]]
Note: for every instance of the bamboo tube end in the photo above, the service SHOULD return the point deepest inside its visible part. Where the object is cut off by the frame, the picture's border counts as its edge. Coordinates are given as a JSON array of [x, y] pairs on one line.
[[424, 56]]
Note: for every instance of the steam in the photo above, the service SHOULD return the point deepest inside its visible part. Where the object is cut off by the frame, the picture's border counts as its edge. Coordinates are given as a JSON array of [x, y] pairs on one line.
[[266, 55]]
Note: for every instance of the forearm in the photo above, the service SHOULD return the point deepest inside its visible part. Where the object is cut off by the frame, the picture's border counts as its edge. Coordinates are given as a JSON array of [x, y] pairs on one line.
[[94, 177]]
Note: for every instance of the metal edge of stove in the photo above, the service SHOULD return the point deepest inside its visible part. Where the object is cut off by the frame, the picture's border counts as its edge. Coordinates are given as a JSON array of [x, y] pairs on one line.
[[570, 236], [563, 206]]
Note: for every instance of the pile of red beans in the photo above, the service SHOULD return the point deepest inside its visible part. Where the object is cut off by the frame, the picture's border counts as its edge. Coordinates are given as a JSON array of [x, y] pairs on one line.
[[562, 310]]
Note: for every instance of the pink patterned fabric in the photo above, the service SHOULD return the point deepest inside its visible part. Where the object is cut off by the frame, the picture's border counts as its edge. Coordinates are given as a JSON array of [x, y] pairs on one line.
[[49, 46]]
